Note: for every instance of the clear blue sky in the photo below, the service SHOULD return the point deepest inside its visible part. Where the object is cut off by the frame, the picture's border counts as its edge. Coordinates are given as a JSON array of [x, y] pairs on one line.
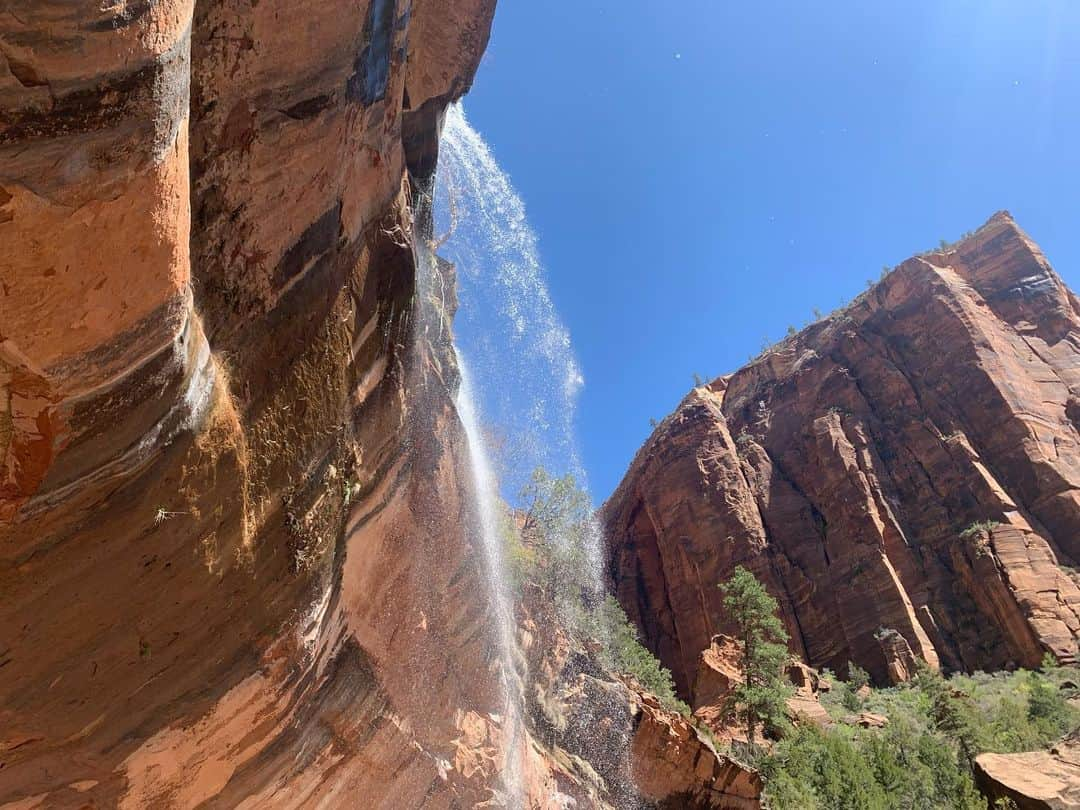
[[703, 174]]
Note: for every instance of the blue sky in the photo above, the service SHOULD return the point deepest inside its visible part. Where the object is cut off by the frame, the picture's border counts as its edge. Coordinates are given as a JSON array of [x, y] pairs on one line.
[[703, 174]]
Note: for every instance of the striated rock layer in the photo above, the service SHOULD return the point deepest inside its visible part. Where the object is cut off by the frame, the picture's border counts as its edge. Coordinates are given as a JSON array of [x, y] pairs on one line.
[[904, 476], [235, 561]]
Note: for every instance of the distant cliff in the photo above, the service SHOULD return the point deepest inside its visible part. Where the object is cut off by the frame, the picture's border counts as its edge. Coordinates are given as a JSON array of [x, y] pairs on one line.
[[910, 463]]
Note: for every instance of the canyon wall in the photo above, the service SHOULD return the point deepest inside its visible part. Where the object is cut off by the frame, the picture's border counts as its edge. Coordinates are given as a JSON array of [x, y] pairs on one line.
[[903, 475], [235, 562]]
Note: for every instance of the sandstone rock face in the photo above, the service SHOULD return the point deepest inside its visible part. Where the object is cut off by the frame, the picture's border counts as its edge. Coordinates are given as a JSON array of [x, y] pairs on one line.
[[674, 766], [228, 450], [719, 672], [600, 741], [910, 464], [900, 662], [1043, 780]]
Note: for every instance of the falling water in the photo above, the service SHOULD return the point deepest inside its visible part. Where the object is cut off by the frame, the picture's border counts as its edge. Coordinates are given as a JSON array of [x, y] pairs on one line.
[[491, 532], [430, 326], [527, 376], [523, 380]]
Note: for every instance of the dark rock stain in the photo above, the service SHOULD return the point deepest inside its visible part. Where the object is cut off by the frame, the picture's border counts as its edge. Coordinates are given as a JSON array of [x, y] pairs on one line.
[[371, 70], [318, 239]]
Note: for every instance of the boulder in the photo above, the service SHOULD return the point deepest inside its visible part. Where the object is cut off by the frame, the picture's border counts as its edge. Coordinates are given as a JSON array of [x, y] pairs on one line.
[[1041, 780], [675, 766], [719, 673]]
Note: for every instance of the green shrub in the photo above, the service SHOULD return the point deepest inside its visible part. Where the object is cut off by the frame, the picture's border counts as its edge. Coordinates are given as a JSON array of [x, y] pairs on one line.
[[979, 527], [857, 676], [622, 651], [1046, 708], [902, 766], [922, 758], [550, 552]]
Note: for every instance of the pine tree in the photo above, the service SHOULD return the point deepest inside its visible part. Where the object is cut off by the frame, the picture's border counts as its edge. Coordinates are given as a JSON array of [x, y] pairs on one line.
[[953, 713], [762, 695]]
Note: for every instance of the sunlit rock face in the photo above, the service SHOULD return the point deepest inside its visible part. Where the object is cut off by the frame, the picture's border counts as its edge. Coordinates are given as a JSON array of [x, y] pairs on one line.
[[600, 741], [1041, 780], [234, 556], [848, 466]]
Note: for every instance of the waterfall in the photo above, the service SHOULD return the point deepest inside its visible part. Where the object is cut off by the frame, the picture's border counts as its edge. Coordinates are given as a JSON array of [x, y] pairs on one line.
[[490, 514], [431, 327], [521, 382], [520, 352]]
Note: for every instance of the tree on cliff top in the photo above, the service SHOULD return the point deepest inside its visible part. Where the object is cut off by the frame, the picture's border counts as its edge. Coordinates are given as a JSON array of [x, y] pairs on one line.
[[762, 695]]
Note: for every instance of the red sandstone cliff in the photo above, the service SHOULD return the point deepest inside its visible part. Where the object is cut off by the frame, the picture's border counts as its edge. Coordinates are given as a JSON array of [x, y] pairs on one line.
[[224, 470], [237, 560], [848, 465]]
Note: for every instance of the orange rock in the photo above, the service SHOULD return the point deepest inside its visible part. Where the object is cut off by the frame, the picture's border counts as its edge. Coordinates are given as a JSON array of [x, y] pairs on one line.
[[675, 766], [719, 673], [222, 466], [867, 720], [846, 465], [1042, 780]]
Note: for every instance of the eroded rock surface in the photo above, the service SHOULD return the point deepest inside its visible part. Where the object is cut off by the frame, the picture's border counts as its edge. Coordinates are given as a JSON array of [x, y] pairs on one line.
[[719, 673], [909, 465], [228, 450], [676, 767]]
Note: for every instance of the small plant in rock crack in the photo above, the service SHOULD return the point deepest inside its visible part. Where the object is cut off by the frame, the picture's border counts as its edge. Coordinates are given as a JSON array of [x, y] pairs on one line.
[[979, 527], [350, 490], [163, 514]]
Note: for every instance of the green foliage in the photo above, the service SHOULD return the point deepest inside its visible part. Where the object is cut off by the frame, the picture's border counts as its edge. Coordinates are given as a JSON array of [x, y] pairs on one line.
[[550, 552], [761, 696], [922, 758], [554, 535], [979, 527], [812, 769], [857, 676], [849, 698], [555, 508], [1046, 707], [953, 713], [905, 766], [623, 652]]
